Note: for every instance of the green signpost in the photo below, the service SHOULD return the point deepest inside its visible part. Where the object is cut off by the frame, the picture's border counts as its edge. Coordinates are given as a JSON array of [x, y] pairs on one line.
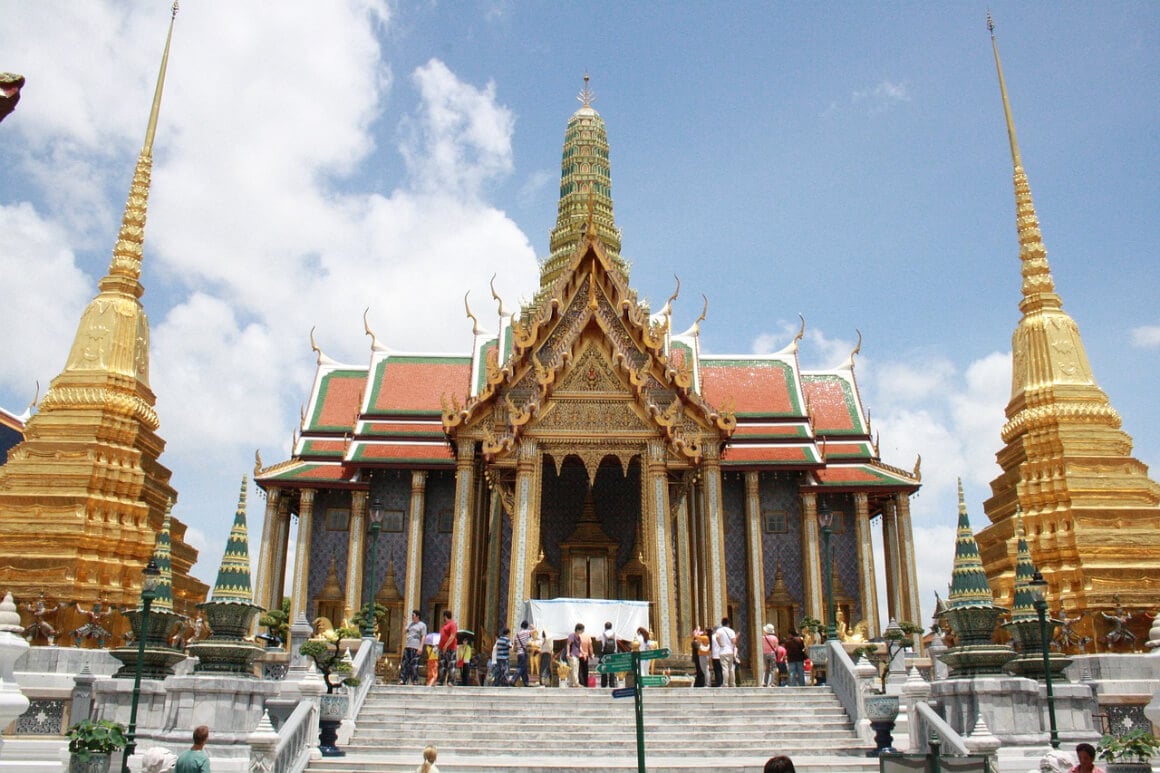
[[630, 661]]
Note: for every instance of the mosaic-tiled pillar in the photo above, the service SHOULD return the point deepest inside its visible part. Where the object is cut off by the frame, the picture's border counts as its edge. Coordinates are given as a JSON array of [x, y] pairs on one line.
[[263, 593], [299, 600], [890, 556], [811, 571], [525, 526], [356, 556], [867, 583], [664, 588], [684, 569], [755, 571], [907, 571], [412, 585], [462, 531], [716, 589]]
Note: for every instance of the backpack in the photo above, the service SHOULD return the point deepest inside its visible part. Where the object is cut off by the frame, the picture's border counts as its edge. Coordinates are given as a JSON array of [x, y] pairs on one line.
[[607, 644]]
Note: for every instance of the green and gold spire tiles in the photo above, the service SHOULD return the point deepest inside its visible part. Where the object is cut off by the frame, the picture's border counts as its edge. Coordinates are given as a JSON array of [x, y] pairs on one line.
[[162, 552], [1024, 606], [233, 580], [969, 586], [585, 192]]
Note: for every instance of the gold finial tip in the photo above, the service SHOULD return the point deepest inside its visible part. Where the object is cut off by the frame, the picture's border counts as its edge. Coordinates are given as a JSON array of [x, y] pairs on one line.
[[586, 96], [990, 23], [173, 14]]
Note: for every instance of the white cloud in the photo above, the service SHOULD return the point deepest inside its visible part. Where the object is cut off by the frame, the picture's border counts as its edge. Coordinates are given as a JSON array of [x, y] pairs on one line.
[[35, 255], [883, 93], [1146, 337]]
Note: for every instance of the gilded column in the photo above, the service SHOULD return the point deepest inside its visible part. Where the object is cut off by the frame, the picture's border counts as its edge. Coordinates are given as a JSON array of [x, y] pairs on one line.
[[890, 556], [756, 571], [662, 563], [281, 547], [811, 571], [263, 590], [414, 579], [356, 556], [684, 569], [299, 602], [867, 583], [909, 575], [492, 592], [462, 530], [525, 527], [716, 589]]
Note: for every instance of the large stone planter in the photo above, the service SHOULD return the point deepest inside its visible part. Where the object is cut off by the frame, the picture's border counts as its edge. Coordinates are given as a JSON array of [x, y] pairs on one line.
[[331, 712], [881, 710], [1128, 767], [96, 763]]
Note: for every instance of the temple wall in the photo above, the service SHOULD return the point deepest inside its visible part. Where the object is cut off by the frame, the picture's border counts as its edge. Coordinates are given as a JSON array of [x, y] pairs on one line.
[[845, 549], [394, 489], [736, 561], [781, 493], [326, 542]]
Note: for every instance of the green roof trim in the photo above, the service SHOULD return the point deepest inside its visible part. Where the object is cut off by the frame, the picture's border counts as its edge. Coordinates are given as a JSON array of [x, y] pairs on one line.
[[481, 379], [851, 404], [397, 360], [323, 392]]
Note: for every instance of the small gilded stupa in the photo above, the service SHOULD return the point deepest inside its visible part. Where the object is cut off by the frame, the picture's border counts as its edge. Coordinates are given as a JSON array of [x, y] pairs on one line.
[[83, 495], [230, 614], [971, 611], [1024, 626], [1092, 513]]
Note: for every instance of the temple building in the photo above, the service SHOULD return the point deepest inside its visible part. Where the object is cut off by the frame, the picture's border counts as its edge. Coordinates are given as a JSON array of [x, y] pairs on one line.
[[1089, 509], [83, 495], [582, 447]]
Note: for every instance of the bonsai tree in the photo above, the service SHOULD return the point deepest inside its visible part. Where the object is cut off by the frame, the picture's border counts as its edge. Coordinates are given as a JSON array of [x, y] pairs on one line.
[[89, 737], [361, 618], [810, 625], [895, 639], [277, 621], [331, 663], [1135, 746]]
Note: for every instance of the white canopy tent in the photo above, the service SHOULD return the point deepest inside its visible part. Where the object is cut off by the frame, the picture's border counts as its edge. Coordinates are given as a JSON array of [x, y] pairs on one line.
[[559, 616]]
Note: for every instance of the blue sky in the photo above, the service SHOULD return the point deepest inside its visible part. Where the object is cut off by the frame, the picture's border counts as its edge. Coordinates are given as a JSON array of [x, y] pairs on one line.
[[846, 161]]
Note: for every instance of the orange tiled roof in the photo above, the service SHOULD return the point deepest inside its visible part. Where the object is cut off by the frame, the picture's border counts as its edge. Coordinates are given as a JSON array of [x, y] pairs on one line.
[[408, 384], [755, 386], [337, 401], [832, 404]]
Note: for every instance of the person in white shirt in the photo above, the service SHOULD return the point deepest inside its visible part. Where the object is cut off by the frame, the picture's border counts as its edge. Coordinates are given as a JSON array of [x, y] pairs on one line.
[[726, 640]]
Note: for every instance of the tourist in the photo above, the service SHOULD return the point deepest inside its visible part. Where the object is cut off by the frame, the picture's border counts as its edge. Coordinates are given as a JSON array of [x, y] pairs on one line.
[[194, 759], [782, 667], [448, 647], [522, 645], [726, 639], [585, 659], [795, 657], [643, 644], [606, 647], [463, 658], [573, 647], [413, 636], [429, 755], [715, 654], [501, 654], [769, 645], [1087, 759], [545, 659], [778, 764], [704, 650], [431, 645]]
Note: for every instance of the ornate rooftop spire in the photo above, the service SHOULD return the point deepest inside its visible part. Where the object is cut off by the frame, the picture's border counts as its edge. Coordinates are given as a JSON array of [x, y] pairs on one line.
[[1024, 601], [163, 555], [969, 586], [585, 191], [233, 580]]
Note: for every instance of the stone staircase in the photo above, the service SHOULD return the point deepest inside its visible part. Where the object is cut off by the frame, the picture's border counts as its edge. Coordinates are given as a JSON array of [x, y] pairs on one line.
[[558, 730]]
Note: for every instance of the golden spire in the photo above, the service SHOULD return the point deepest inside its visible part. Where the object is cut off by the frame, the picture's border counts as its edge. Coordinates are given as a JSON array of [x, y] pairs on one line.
[[586, 97], [1038, 286]]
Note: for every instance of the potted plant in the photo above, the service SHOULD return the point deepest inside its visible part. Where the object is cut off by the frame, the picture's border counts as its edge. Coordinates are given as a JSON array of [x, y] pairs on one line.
[[277, 623], [361, 618], [335, 667], [882, 709], [91, 744], [1129, 752]]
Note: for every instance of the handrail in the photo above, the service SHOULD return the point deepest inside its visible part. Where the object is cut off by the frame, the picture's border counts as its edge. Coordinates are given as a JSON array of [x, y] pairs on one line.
[[926, 721], [842, 678], [363, 668], [297, 736]]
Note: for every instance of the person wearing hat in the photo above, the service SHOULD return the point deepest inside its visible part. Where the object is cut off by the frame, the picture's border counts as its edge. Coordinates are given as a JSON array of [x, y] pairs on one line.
[[769, 645]]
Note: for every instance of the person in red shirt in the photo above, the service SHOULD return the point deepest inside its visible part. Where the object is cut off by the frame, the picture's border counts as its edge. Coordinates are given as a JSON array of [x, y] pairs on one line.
[[448, 647]]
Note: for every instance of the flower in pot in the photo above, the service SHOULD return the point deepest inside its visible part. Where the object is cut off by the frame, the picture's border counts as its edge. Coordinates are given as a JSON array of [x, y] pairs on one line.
[[92, 742], [1129, 752]]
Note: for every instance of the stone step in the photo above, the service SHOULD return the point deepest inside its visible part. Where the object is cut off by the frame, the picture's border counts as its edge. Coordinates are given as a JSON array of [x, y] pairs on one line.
[[559, 730]]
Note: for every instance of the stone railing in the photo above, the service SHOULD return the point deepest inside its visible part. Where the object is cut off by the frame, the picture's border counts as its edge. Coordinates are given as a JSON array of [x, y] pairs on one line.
[[928, 724], [297, 736], [363, 668], [842, 678]]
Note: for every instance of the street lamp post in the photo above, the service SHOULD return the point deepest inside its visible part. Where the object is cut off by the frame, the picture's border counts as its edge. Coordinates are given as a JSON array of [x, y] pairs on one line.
[[826, 519], [376, 516], [150, 579], [1039, 594]]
